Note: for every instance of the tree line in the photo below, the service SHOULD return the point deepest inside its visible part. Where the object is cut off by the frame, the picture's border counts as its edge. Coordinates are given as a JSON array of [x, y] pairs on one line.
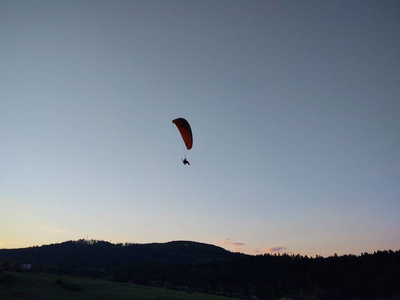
[[209, 269]]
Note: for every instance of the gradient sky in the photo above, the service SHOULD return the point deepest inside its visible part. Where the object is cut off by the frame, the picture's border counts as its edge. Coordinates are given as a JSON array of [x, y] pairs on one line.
[[294, 107]]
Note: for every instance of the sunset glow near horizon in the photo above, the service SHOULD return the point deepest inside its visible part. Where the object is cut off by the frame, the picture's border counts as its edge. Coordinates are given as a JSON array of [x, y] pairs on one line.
[[294, 107]]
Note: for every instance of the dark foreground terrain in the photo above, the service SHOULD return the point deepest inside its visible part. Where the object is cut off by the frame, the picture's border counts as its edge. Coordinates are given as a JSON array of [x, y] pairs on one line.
[[202, 268], [41, 286]]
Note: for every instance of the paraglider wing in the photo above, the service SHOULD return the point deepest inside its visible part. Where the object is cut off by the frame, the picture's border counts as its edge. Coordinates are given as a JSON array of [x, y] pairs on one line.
[[185, 131]]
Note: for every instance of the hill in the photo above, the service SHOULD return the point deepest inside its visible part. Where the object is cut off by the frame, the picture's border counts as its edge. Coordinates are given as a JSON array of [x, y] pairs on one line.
[[91, 252], [210, 269]]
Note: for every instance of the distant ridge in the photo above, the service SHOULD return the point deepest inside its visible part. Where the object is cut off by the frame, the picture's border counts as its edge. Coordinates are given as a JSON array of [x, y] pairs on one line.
[[91, 251]]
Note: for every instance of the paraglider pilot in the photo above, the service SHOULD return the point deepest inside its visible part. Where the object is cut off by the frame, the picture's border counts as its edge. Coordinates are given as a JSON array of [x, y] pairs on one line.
[[186, 133]]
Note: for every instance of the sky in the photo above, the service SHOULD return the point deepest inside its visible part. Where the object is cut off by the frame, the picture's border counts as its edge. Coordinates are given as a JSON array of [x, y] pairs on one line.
[[294, 108]]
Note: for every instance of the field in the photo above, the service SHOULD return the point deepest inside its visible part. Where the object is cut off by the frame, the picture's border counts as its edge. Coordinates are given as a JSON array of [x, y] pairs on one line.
[[41, 286]]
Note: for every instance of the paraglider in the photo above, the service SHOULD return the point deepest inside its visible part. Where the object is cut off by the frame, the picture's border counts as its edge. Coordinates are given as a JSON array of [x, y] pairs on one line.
[[186, 133]]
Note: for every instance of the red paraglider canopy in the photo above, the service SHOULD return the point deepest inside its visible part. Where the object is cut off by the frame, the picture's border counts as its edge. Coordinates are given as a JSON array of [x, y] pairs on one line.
[[185, 130]]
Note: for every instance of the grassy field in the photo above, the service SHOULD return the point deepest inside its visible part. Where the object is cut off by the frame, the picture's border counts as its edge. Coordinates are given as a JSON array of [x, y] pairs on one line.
[[40, 286]]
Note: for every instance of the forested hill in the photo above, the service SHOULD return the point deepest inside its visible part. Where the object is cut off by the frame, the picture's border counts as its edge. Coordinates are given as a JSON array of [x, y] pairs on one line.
[[211, 269], [101, 253]]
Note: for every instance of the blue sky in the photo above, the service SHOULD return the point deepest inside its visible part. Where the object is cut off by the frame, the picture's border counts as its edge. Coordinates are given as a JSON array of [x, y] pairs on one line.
[[294, 107]]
